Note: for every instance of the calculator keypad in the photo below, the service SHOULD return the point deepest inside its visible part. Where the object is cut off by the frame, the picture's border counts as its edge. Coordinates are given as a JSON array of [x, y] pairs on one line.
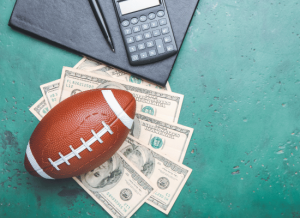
[[132, 48], [146, 26], [165, 30], [148, 36], [156, 32], [125, 23], [130, 40], [167, 39], [134, 57], [159, 46], [136, 29], [139, 38], [143, 18], [144, 55], [150, 44], [162, 22], [152, 53], [160, 13], [127, 31], [141, 46], [154, 24], [134, 20], [151, 16], [170, 48]]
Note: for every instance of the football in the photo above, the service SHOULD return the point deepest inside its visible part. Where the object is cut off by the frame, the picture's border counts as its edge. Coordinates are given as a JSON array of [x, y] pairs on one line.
[[80, 133]]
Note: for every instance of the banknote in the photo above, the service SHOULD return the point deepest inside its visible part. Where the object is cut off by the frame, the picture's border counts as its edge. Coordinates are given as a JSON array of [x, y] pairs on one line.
[[118, 186], [91, 65], [170, 138], [121, 75], [167, 137], [85, 63], [168, 175], [159, 103], [40, 108], [153, 159], [50, 93], [50, 90]]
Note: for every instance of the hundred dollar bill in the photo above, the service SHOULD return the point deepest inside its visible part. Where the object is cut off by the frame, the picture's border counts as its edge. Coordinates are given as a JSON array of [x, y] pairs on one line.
[[40, 108], [168, 175], [85, 63], [121, 75], [170, 138], [50, 90], [91, 65], [118, 186], [162, 104], [50, 93]]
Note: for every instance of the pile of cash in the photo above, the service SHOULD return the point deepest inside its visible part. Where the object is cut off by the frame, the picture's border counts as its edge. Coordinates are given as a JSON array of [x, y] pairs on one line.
[[148, 166]]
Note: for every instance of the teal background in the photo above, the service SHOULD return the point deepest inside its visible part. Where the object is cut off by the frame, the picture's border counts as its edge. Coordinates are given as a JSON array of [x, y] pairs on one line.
[[239, 71]]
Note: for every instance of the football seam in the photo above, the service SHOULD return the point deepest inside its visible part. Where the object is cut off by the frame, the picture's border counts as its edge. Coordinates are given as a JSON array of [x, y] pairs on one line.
[[47, 161], [104, 150], [125, 109]]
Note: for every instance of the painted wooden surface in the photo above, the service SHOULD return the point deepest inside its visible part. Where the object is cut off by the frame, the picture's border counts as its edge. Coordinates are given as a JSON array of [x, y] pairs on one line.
[[240, 74]]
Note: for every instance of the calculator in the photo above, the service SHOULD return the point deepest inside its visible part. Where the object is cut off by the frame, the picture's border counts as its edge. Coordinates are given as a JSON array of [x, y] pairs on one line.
[[146, 30]]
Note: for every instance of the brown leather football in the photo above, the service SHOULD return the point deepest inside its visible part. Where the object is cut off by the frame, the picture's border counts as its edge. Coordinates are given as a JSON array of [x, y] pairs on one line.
[[80, 133]]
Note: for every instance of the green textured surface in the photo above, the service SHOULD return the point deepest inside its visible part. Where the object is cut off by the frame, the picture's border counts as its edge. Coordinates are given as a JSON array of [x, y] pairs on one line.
[[239, 71]]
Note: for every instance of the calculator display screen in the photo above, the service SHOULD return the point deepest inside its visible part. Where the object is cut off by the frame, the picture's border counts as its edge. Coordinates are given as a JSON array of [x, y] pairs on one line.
[[129, 6]]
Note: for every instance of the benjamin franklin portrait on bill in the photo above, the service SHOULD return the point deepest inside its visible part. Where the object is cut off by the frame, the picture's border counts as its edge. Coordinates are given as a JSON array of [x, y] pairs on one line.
[[105, 176], [135, 130], [141, 157]]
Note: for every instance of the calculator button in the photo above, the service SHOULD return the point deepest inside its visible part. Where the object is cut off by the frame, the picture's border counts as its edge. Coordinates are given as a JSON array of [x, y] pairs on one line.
[[151, 16], [162, 22], [156, 33], [144, 55], [130, 40], [152, 53], [167, 39], [143, 18], [132, 48], [134, 20], [150, 44], [145, 26], [147, 35], [136, 29], [141, 46], [127, 31], [154, 24], [134, 57], [170, 48], [160, 13], [159, 46], [165, 30], [139, 38], [125, 23]]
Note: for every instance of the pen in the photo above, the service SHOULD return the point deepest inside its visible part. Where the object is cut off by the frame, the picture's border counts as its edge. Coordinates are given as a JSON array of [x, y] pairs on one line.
[[101, 22]]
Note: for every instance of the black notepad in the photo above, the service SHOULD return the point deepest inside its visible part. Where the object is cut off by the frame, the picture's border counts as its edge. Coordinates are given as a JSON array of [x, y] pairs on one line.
[[71, 24]]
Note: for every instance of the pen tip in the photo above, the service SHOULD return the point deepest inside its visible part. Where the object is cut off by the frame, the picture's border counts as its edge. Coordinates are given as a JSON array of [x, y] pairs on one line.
[[113, 50]]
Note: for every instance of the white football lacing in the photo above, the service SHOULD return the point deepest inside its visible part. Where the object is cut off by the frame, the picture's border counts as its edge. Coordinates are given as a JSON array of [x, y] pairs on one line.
[[85, 145]]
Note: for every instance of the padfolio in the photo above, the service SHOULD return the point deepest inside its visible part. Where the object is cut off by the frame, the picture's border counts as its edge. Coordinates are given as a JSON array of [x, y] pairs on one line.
[[71, 24]]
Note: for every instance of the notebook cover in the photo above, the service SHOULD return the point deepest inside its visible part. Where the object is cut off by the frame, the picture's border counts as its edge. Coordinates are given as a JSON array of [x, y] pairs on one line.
[[71, 24]]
